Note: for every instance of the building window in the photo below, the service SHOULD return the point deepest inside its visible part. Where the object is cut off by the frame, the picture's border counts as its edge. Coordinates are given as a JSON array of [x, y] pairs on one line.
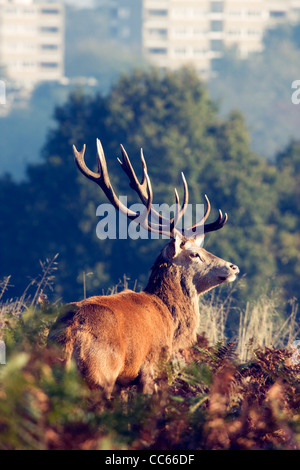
[[50, 11], [49, 29], [216, 7], [277, 14], [216, 26], [49, 65], [158, 12], [158, 50], [49, 47], [216, 45], [158, 32]]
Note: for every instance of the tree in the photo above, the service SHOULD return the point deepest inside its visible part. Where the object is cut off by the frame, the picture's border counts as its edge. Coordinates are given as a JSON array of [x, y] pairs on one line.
[[260, 86], [286, 237], [172, 117]]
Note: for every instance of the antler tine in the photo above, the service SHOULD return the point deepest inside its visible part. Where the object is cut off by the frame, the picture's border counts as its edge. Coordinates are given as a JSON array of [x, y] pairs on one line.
[[105, 184], [171, 224], [186, 195], [149, 201], [144, 166], [140, 188], [207, 212], [102, 166], [179, 212], [201, 222], [150, 226], [102, 178], [143, 163], [219, 223], [79, 159], [175, 219]]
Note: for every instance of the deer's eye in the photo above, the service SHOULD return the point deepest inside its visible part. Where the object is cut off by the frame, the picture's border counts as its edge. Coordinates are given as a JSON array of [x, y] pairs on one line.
[[195, 255]]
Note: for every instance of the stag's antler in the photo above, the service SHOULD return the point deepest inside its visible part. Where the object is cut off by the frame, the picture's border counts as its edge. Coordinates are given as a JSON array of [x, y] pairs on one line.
[[216, 225], [141, 190], [144, 191]]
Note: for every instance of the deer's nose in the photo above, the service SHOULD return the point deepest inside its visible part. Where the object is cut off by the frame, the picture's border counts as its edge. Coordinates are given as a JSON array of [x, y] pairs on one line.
[[234, 268]]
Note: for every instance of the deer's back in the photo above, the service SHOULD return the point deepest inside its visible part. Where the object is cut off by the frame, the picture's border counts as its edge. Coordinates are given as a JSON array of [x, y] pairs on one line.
[[121, 331]]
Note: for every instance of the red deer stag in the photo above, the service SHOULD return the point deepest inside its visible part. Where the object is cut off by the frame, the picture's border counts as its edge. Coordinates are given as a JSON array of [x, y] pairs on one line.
[[122, 337]]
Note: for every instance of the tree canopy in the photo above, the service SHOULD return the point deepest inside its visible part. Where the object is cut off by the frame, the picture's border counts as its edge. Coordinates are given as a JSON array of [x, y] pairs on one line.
[[173, 118], [260, 86]]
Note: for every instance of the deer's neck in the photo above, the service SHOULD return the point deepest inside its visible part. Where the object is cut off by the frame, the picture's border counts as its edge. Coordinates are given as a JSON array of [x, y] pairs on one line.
[[171, 285]]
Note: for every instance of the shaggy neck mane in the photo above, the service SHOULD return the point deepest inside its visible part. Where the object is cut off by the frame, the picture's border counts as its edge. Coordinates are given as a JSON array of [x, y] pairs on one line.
[[178, 293]]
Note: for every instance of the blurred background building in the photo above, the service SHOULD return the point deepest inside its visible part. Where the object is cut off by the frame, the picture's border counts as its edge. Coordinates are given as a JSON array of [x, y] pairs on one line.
[[49, 48], [176, 32], [31, 41], [171, 33]]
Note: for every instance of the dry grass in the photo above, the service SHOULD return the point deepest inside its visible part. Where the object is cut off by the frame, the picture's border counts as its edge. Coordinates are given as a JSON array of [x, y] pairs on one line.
[[214, 402], [213, 317], [261, 324]]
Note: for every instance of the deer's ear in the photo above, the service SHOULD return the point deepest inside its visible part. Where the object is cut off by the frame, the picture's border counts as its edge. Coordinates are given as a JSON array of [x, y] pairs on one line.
[[198, 242], [173, 248]]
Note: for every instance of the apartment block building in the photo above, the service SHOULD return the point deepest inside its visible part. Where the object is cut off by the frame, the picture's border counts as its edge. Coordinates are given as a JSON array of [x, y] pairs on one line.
[[125, 20], [178, 32], [31, 41]]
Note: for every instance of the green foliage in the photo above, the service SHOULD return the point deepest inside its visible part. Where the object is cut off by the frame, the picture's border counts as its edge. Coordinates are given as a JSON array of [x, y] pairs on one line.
[[286, 237], [212, 401], [260, 86], [172, 117]]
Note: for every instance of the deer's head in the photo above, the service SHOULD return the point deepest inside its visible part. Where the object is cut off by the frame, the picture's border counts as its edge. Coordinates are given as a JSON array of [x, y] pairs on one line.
[[184, 252], [196, 265]]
